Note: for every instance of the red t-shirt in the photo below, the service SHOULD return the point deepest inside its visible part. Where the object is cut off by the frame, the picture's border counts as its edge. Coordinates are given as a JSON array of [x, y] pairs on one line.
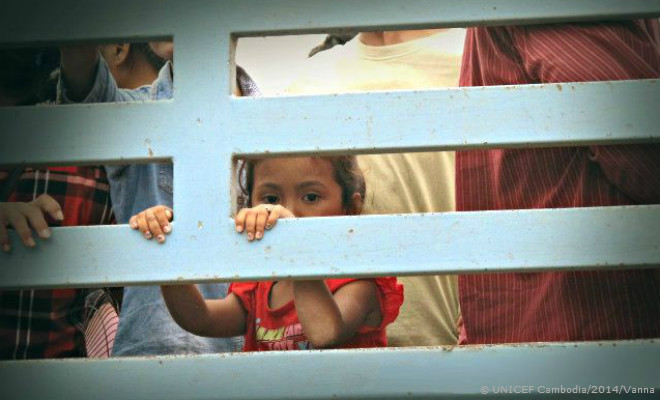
[[560, 306], [279, 329]]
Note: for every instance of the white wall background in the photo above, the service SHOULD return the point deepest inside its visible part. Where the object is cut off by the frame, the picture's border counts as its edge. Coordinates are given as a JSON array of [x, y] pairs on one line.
[[273, 61]]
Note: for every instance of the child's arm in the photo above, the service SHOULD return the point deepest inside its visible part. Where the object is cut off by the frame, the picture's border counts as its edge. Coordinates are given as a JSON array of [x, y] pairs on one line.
[[78, 69], [329, 320], [211, 318], [85, 77]]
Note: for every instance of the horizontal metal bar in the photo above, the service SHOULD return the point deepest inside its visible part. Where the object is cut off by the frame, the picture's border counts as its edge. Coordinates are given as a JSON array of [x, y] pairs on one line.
[[203, 248], [483, 117], [319, 16], [593, 370], [34, 21], [90, 133]]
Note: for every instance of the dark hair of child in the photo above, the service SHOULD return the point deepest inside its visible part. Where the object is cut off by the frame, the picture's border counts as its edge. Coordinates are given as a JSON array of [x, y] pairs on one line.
[[347, 174]]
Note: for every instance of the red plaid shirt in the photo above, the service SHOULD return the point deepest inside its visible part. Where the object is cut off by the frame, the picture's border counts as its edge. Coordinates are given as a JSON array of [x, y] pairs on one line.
[[48, 323]]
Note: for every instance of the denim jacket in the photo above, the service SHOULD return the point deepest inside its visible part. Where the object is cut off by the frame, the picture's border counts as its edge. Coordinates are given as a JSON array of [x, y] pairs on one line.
[[145, 325]]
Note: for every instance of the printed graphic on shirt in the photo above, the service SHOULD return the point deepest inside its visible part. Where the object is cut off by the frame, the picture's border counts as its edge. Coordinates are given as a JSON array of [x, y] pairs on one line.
[[289, 337]]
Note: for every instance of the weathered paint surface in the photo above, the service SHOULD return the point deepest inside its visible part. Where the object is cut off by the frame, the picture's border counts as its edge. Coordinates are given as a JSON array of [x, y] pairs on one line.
[[159, 18], [362, 374], [446, 119], [496, 241]]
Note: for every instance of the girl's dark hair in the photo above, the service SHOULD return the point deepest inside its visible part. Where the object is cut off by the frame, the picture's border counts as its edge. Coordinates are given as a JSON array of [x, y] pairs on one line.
[[347, 174]]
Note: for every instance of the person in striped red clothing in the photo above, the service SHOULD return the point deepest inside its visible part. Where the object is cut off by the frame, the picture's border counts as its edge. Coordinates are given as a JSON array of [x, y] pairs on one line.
[[560, 306]]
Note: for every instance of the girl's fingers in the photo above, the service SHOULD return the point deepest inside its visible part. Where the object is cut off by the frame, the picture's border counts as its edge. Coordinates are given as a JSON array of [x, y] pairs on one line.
[[20, 224], [153, 222], [133, 222], [273, 216], [4, 238], [250, 223], [142, 225], [169, 213], [35, 217], [49, 205], [153, 225], [163, 221], [255, 220], [284, 212], [239, 221], [262, 216]]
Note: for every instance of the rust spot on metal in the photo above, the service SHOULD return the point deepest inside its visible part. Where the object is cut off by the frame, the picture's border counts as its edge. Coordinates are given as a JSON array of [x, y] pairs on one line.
[[147, 143], [200, 225], [559, 87]]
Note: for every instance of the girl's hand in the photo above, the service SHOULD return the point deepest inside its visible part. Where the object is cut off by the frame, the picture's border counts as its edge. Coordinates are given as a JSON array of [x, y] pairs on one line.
[[264, 216], [153, 222], [25, 217]]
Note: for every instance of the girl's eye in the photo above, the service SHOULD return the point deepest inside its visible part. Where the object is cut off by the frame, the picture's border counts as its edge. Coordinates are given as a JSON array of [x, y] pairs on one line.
[[311, 197], [270, 199]]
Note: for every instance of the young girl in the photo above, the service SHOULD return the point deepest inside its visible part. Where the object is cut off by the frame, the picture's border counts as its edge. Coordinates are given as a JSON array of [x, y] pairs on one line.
[[291, 315]]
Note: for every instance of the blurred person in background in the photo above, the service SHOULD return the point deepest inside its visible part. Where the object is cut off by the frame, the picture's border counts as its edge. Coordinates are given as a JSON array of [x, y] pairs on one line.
[[133, 66], [48, 323], [60, 322], [554, 306], [404, 182]]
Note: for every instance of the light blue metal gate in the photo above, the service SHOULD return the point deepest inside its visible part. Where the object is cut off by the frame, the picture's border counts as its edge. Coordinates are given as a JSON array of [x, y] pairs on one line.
[[203, 115]]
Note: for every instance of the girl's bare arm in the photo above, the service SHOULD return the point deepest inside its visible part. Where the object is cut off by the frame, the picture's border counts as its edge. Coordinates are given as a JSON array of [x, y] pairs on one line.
[[211, 318], [329, 320]]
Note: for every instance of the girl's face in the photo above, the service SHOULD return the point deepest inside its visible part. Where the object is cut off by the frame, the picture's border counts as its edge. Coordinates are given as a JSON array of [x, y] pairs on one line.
[[306, 186]]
